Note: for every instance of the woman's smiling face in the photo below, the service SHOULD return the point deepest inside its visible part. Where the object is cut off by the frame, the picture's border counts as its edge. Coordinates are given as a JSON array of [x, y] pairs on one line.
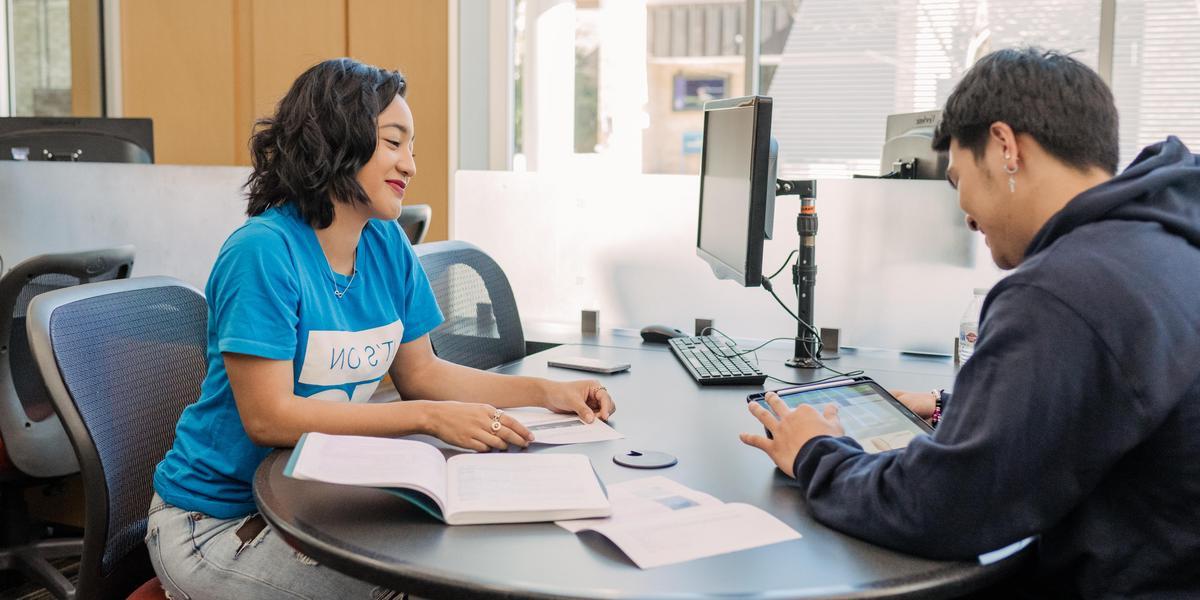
[[386, 175]]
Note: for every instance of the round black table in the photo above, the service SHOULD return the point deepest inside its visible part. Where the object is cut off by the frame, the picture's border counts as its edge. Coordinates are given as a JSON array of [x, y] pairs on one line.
[[379, 537]]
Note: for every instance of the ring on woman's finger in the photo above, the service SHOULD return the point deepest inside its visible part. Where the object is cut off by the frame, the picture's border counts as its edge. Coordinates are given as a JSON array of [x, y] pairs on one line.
[[495, 425]]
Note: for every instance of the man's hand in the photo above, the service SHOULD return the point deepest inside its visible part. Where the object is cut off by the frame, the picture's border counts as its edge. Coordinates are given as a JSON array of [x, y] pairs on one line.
[[921, 403], [790, 430], [586, 398]]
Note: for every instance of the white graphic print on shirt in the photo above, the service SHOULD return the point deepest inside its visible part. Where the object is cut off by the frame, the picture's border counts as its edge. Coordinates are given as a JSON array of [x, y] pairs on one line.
[[345, 357]]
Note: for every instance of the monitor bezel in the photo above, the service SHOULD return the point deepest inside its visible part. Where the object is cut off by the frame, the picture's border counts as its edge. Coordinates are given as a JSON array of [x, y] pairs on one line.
[[749, 274], [137, 131]]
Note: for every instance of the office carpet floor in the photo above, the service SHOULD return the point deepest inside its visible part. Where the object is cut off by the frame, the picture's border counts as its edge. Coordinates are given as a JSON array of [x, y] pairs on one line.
[[15, 587]]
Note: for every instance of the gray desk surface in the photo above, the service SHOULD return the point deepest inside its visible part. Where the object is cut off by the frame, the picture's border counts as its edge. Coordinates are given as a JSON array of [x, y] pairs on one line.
[[379, 537]]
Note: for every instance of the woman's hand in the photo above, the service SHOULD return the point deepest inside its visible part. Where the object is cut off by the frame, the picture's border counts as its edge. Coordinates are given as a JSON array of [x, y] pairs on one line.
[[470, 425], [586, 398], [921, 403]]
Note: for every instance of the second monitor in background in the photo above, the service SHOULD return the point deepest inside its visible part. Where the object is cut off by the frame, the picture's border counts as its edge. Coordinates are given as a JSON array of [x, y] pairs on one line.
[[77, 139], [908, 147]]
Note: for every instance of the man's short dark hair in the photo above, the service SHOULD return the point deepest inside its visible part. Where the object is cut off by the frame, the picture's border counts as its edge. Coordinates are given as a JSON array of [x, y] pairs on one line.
[[323, 132], [1057, 100]]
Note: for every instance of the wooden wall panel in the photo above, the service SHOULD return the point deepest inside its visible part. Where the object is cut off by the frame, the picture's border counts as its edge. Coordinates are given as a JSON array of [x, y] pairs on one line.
[[413, 36], [177, 68], [243, 80], [205, 71], [85, 58], [290, 36]]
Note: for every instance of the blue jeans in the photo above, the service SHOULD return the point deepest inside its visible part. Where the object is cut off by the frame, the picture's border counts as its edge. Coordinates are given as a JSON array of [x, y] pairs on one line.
[[198, 557]]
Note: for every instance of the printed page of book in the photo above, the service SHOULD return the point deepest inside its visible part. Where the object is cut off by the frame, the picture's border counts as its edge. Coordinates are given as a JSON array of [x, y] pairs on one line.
[[696, 532], [522, 488], [372, 462], [549, 427], [657, 521], [644, 498]]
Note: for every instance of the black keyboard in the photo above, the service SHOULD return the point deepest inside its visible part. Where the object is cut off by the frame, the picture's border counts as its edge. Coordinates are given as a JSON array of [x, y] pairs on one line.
[[714, 363]]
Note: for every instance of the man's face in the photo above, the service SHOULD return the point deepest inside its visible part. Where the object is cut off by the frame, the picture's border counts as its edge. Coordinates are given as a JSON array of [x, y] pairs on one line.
[[984, 196]]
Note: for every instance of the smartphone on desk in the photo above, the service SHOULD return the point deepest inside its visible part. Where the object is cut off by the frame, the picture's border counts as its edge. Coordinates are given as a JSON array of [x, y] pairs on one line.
[[592, 365]]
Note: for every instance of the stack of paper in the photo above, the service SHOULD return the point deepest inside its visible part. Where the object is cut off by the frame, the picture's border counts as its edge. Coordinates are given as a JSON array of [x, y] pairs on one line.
[[557, 428]]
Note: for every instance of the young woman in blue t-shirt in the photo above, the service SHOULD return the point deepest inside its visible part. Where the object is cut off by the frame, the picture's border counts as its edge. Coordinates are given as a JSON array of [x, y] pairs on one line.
[[311, 303]]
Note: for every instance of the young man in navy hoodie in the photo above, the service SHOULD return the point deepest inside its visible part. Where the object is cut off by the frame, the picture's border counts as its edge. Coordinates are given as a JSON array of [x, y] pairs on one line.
[[1078, 417]]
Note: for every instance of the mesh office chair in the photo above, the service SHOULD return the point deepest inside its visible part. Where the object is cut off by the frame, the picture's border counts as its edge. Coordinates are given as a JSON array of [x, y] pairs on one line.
[[32, 441], [483, 327], [121, 360], [414, 220]]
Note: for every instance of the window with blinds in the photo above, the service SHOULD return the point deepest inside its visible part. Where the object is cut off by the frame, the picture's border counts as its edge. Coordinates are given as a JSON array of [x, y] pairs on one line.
[[847, 65], [1156, 80]]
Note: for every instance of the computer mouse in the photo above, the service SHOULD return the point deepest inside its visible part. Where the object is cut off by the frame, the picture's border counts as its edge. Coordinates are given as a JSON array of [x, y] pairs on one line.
[[659, 334]]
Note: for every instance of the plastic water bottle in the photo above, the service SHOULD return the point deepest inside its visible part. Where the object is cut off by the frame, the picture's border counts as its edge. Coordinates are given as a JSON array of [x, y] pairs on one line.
[[968, 328]]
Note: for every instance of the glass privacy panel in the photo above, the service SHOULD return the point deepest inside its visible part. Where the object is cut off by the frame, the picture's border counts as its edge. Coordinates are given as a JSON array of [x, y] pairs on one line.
[[896, 263]]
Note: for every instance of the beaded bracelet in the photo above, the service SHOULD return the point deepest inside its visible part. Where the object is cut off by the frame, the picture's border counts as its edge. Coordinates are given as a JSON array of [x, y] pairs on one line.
[[936, 417]]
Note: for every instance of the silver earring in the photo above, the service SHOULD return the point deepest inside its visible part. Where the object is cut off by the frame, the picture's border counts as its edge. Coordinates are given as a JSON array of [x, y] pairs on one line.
[[1012, 181]]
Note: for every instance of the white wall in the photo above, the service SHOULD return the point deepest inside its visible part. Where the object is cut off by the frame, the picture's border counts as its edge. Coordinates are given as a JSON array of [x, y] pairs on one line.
[[176, 216]]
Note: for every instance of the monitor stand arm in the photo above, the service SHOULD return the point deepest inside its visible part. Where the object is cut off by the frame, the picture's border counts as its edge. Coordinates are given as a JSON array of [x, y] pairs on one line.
[[804, 272]]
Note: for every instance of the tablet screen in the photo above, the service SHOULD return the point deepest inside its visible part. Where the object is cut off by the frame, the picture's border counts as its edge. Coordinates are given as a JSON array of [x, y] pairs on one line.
[[876, 422]]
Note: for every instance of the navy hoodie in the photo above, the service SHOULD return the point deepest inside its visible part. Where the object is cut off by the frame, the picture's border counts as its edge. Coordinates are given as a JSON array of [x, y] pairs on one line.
[[1078, 417]]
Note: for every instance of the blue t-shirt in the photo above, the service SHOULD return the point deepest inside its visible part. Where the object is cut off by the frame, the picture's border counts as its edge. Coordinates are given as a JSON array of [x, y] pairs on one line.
[[271, 294]]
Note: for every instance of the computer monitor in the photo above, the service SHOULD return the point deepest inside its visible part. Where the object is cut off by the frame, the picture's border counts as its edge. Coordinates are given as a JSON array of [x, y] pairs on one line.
[[908, 147], [737, 187], [77, 139]]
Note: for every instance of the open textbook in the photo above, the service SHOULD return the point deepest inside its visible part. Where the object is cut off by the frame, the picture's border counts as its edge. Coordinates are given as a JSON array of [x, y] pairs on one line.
[[656, 521], [467, 489]]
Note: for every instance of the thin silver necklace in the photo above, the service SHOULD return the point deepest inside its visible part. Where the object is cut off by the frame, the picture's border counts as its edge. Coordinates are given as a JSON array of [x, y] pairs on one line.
[[353, 274], [342, 292]]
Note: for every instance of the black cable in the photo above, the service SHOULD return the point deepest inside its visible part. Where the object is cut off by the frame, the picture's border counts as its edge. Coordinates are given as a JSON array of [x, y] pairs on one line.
[[733, 343], [785, 264], [854, 373], [820, 345], [766, 284]]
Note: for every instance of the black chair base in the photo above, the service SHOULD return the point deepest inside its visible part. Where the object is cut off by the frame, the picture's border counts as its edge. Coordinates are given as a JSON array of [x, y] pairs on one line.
[[33, 559]]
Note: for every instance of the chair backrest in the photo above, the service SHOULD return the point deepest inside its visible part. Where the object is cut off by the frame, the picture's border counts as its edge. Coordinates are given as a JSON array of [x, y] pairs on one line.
[[121, 360], [483, 327], [414, 220], [33, 437]]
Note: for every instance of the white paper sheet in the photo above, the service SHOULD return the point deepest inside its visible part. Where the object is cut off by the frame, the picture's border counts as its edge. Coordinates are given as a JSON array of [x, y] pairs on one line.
[[555, 428], [657, 522], [643, 498]]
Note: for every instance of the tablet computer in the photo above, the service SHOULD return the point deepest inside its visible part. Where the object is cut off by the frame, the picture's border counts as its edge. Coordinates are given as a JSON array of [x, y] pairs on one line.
[[869, 414]]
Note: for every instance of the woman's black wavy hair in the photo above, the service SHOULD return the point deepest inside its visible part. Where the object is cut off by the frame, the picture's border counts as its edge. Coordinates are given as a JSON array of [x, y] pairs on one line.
[[322, 133]]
